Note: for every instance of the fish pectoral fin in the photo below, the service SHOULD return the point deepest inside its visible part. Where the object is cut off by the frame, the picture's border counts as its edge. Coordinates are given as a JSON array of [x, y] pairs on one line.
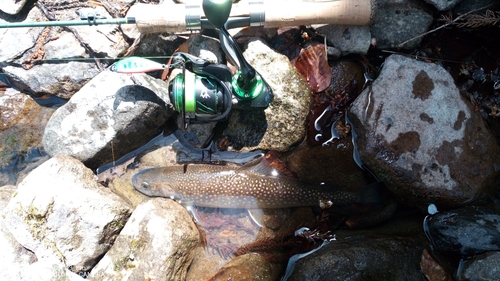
[[259, 166], [257, 216]]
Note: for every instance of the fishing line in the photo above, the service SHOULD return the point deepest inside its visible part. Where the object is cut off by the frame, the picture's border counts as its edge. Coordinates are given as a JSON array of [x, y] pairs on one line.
[[55, 60], [99, 58]]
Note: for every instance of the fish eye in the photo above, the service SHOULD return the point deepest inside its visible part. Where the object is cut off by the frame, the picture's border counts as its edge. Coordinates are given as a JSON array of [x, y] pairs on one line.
[[145, 185]]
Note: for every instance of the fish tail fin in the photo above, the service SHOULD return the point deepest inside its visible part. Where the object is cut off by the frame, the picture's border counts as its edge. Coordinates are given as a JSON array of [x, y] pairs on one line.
[[371, 193]]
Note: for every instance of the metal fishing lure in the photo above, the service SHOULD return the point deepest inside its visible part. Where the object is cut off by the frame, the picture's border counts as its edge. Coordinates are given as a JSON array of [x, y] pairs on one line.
[[137, 65]]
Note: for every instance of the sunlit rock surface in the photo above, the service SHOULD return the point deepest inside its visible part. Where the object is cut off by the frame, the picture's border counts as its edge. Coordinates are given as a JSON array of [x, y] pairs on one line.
[[6, 193], [56, 60], [11, 6], [107, 118], [421, 138], [60, 212], [282, 124], [156, 243], [22, 42]]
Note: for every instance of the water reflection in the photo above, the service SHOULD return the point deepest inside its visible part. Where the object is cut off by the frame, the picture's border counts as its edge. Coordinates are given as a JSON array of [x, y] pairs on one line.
[[21, 164]]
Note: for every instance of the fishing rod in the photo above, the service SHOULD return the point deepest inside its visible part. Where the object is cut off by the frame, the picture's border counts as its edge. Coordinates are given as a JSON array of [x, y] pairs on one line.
[[128, 20], [187, 17], [206, 91]]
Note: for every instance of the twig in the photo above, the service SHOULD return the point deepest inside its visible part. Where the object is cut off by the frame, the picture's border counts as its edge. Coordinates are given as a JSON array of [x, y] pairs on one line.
[[86, 46], [134, 46], [444, 25]]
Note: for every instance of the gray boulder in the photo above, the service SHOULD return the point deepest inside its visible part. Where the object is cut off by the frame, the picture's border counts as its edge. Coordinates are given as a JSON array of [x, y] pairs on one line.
[[421, 138], [60, 213], [443, 5], [281, 125], [399, 20], [348, 39], [156, 243], [107, 118]]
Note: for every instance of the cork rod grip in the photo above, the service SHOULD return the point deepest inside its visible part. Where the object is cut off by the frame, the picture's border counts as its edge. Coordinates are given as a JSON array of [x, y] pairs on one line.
[[159, 18], [278, 13], [348, 12]]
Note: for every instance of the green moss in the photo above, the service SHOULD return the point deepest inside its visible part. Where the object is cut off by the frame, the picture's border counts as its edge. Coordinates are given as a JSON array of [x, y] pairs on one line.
[[126, 262], [10, 140], [117, 225], [136, 244], [121, 263], [36, 220]]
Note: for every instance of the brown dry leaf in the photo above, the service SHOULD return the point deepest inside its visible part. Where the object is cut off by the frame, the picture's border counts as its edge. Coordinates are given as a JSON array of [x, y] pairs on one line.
[[312, 64], [431, 269]]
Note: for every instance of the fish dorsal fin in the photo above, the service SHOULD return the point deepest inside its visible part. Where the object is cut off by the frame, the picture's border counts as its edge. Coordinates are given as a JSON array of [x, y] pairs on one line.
[[259, 166]]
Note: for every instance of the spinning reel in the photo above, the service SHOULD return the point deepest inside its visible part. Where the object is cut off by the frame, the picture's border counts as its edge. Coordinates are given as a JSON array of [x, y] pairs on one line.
[[207, 91]]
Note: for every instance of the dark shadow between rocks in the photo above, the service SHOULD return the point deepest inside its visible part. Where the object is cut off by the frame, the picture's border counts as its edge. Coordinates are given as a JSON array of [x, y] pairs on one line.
[[135, 93], [247, 129]]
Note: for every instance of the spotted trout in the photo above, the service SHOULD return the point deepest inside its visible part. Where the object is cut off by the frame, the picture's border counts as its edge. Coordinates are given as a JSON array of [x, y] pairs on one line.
[[254, 185]]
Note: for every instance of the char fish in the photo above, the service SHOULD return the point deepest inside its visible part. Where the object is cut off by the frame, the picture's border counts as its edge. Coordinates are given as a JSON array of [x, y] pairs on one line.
[[254, 185]]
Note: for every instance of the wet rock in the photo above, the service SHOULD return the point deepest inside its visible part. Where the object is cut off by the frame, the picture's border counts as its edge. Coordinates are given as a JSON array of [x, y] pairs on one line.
[[467, 231], [282, 124], [326, 124], [245, 268], [343, 72], [418, 135], [108, 118], [22, 121], [59, 212], [332, 165], [482, 267], [468, 5], [389, 252], [324, 157], [431, 269], [398, 21], [205, 263], [156, 243], [348, 39], [443, 5]]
